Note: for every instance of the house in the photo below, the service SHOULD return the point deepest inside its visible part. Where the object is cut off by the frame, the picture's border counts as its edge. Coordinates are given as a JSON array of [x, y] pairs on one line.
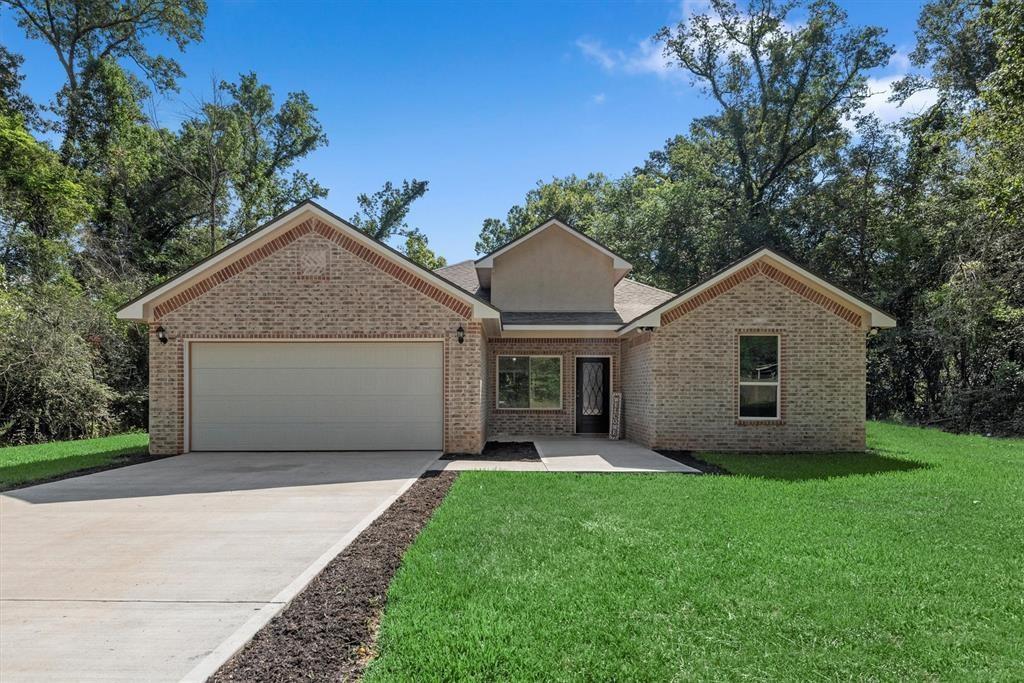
[[308, 335]]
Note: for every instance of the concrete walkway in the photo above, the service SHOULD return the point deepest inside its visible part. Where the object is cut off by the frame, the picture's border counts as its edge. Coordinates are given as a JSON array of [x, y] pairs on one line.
[[159, 571], [579, 454]]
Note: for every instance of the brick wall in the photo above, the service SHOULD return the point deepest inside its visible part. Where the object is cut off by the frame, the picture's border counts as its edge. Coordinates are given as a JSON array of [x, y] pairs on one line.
[[544, 422], [639, 400], [357, 296], [822, 375]]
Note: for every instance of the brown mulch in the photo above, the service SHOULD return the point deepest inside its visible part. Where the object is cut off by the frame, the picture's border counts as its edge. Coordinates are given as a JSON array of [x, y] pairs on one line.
[[327, 632], [501, 451], [116, 463], [687, 458]]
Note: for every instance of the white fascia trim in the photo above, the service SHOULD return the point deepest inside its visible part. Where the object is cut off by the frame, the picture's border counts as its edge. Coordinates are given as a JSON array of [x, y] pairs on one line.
[[653, 317], [134, 310], [559, 328], [618, 263]]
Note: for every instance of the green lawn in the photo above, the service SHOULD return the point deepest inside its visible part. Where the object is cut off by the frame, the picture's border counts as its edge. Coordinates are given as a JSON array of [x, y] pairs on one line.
[[906, 563], [24, 464]]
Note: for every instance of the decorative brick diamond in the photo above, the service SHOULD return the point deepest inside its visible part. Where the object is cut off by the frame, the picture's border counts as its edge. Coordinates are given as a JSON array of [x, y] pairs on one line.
[[314, 260]]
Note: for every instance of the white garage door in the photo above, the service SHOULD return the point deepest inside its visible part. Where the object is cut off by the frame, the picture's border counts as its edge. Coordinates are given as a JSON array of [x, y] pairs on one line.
[[297, 396]]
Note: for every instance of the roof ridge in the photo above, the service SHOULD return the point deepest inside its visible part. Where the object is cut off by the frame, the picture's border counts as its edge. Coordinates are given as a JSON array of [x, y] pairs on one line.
[[452, 265], [644, 284]]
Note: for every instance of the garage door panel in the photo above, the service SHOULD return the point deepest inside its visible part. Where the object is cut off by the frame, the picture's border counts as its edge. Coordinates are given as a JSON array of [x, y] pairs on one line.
[[314, 355], [316, 396], [314, 382], [325, 437], [314, 408]]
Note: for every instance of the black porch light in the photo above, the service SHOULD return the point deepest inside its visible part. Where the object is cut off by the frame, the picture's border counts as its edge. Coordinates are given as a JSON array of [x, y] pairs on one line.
[[460, 334], [161, 334]]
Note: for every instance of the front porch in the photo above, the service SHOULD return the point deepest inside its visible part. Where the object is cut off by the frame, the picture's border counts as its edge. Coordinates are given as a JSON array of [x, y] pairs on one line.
[[575, 454]]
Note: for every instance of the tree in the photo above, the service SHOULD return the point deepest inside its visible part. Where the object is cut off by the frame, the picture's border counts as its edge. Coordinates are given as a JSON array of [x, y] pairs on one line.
[[382, 216], [41, 204], [956, 46], [83, 32], [783, 89], [207, 152], [572, 200], [12, 99], [843, 220], [416, 248], [272, 141], [142, 200]]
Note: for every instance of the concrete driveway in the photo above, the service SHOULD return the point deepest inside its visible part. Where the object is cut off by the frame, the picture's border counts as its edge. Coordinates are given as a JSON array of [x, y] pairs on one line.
[[157, 571]]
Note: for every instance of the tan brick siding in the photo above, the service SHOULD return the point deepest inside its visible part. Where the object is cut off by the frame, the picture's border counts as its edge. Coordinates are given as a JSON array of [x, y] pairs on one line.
[[269, 299], [822, 373], [545, 422], [639, 400]]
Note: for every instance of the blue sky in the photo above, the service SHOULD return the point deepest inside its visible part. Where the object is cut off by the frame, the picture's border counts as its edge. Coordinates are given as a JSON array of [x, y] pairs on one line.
[[482, 99]]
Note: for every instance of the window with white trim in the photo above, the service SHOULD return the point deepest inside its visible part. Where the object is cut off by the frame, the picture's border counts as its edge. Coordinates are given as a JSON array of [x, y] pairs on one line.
[[529, 382], [759, 376]]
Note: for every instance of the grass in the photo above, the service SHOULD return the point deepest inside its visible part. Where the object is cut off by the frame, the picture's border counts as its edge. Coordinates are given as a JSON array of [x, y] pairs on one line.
[[904, 563], [21, 465]]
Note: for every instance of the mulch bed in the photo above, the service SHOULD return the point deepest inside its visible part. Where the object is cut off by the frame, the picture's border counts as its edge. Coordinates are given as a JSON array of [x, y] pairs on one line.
[[686, 458], [120, 461], [501, 451], [327, 632]]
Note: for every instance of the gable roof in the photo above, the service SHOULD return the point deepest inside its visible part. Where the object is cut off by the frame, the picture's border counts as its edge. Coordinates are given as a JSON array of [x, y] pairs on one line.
[[631, 298], [653, 317], [134, 309], [464, 275], [618, 263]]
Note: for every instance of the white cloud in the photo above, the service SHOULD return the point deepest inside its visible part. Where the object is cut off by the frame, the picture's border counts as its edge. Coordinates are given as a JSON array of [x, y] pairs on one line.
[[596, 52], [878, 102], [645, 58], [599, 98]]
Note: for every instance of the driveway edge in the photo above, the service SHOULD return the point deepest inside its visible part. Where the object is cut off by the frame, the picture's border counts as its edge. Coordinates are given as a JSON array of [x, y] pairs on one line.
[[237, 640]]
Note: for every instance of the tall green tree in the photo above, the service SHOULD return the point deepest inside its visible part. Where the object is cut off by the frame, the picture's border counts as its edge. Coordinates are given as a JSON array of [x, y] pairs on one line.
[[782, 88], [382, 215], [207, 151], [41, 204], [12, 99], [572, 200], [272, 140], [956, 50], [84, 32]]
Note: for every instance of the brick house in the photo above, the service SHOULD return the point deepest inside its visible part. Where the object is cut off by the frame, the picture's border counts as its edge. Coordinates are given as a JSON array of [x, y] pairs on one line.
[[308, 335]]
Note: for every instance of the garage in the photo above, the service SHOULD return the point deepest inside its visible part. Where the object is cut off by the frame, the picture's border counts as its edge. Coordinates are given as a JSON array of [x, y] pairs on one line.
[[315, 396]]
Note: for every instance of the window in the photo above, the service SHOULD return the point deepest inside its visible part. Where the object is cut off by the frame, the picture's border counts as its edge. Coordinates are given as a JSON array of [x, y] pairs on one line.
[[530, 382], [759, 376]]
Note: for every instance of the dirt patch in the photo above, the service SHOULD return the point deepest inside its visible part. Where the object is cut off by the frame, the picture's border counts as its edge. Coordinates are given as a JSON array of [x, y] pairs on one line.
[[501, 451], [686, 458], [119, 461], [327, 632]]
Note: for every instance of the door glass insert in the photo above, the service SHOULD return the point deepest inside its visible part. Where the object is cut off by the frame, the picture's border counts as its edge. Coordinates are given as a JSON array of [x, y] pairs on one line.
[[593, 389]]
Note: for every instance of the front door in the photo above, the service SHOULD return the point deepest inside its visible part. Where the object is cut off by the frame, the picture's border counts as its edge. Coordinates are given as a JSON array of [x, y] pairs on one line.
[[592, 376]]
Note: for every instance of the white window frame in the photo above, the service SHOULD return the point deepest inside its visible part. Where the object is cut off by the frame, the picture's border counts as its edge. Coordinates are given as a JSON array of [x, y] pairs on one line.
[[497, 383], [777, 383]]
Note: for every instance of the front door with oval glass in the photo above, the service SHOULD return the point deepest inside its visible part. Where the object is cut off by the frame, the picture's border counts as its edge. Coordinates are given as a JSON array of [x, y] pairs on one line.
[[592, 391]]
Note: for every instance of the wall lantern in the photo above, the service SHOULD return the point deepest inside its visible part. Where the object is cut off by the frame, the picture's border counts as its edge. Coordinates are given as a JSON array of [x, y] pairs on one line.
[[161, 334], [460, 334]]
